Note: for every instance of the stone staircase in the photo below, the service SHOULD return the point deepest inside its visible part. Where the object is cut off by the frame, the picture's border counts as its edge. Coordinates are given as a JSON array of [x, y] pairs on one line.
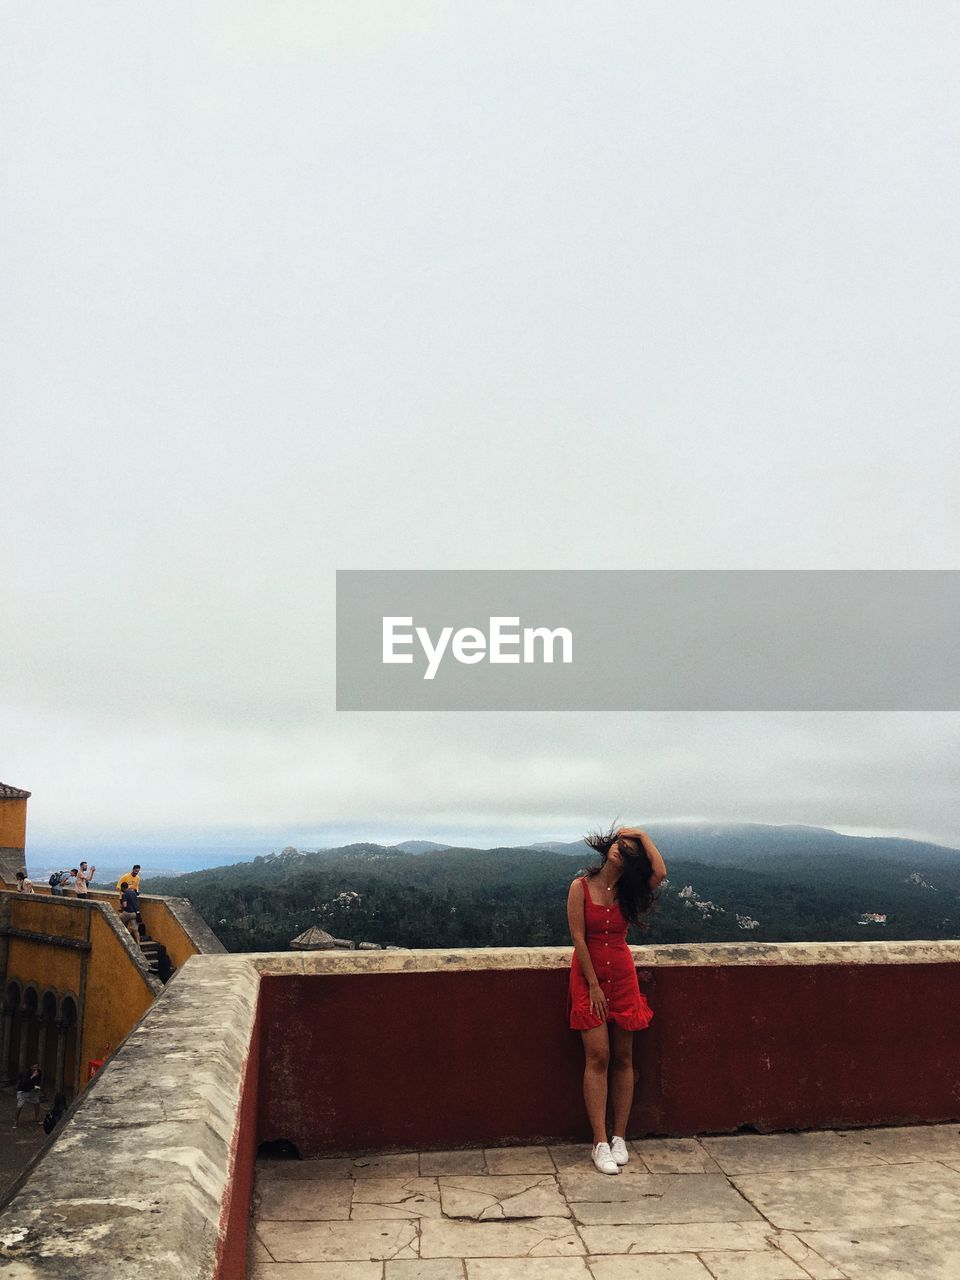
[[158, 962]]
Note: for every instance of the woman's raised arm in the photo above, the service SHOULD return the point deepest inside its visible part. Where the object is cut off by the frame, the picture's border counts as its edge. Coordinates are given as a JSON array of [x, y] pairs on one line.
[[657, 864]]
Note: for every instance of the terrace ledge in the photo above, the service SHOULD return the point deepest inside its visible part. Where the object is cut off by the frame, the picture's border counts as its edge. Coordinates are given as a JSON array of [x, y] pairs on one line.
[[438, 960]]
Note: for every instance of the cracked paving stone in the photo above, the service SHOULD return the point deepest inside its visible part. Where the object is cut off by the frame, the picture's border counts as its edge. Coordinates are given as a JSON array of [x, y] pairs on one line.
[[395, 1198], [817, 1267], [776, 1152], [654, 1266], [759, 1264], [871, 1196], [340, 1241], [519, 1160], [403, 1165], [424, 1269], [433, 1163], [652, 1197], [916, 1142], [899, 1253], [680, 1237], [494, 1196], [674, 1155], [532, 1238], [256, 1252], [300, 1201], [572, 1159], [527, 1269]]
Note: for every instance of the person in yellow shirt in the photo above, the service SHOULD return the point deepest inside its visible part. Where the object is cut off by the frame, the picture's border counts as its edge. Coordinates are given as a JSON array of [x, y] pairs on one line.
[[132, 879]]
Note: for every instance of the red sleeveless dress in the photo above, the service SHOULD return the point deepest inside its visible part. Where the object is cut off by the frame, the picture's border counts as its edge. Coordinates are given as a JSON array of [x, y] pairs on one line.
[[606, 936]]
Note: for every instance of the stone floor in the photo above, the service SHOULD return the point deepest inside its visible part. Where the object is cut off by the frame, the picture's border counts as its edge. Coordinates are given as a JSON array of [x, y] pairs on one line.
[[860, 1204], [17, 1146]]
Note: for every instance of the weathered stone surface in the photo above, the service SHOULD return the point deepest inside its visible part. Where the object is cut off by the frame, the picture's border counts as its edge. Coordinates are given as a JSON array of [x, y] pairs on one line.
[[404, 1164], [898, 1253], [677, 1237], [760, 1264], [339, 1167], [772, 1152], [533, 1238], [527, 1269], [574, 1158], [295, 1199], [452, 1162], [519, 1160], [656, 1266], [871, 1196], [150, 1142], [430, 960], [396, 1198], [318, 1271], [814, 1265], [649, 1197], [340, 1241], [424, 1269], [904, 1144], [493, 1196], [257, 1250], [674, 1155]]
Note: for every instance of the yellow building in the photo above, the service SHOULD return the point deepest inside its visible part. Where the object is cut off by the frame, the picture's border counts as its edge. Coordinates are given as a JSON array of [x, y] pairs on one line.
[[74, 981], [13, 830]]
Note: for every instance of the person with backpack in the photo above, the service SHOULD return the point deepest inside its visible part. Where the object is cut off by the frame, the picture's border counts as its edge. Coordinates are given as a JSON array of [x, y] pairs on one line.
[[59, 881]]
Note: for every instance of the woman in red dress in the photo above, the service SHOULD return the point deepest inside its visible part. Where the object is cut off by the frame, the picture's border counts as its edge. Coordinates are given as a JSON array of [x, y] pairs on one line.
[[605, 1002]]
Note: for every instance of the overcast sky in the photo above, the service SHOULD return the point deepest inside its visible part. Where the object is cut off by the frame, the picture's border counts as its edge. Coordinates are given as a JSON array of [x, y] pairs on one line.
[[292, 288]]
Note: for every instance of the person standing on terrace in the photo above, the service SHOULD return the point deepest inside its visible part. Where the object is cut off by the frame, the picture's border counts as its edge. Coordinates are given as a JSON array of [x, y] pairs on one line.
[[83, 878], [132, 878], [604, 1000]]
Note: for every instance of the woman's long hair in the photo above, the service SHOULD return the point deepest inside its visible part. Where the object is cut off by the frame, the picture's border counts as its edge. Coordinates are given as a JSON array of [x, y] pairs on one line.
[[633, 893]]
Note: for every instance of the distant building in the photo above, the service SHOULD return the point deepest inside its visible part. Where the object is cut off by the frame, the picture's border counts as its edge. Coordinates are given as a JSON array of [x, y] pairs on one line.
[[13, 831], [316, 939]]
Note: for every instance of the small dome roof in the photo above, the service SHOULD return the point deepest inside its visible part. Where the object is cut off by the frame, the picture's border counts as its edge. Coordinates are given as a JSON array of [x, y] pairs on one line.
[[313, 939]]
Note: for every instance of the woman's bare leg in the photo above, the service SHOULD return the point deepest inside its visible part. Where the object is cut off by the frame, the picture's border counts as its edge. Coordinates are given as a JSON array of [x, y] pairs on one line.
[[596, 1047], [623, 1078]]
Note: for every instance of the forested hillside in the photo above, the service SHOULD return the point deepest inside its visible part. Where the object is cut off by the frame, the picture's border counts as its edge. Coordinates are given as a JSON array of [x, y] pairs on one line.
[[757, 883]]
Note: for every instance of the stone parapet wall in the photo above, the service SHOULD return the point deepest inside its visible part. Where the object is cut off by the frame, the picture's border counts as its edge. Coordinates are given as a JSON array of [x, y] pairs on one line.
[[348, 1051], [143, 1180]]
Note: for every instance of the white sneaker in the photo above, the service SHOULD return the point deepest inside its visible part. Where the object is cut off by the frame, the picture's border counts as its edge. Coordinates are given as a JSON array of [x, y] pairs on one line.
[[618, 1149], [603, 1159]]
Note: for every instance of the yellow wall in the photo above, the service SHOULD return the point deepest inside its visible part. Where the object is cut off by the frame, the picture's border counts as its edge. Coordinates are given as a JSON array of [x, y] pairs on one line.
[[45, 966], [13, 824], [112, 992], [116, 995], [163, 926], [46, 915]]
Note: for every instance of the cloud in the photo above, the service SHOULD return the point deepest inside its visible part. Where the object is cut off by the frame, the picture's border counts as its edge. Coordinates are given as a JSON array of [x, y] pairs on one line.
[[362, 286]]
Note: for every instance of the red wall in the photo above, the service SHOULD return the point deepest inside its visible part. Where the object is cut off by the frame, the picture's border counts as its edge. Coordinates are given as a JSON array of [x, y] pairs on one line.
[[232, 1244], [419, 1060]]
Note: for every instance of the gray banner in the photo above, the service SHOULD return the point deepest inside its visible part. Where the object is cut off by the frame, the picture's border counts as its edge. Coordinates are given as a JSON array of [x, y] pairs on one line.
[[648, 640]]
